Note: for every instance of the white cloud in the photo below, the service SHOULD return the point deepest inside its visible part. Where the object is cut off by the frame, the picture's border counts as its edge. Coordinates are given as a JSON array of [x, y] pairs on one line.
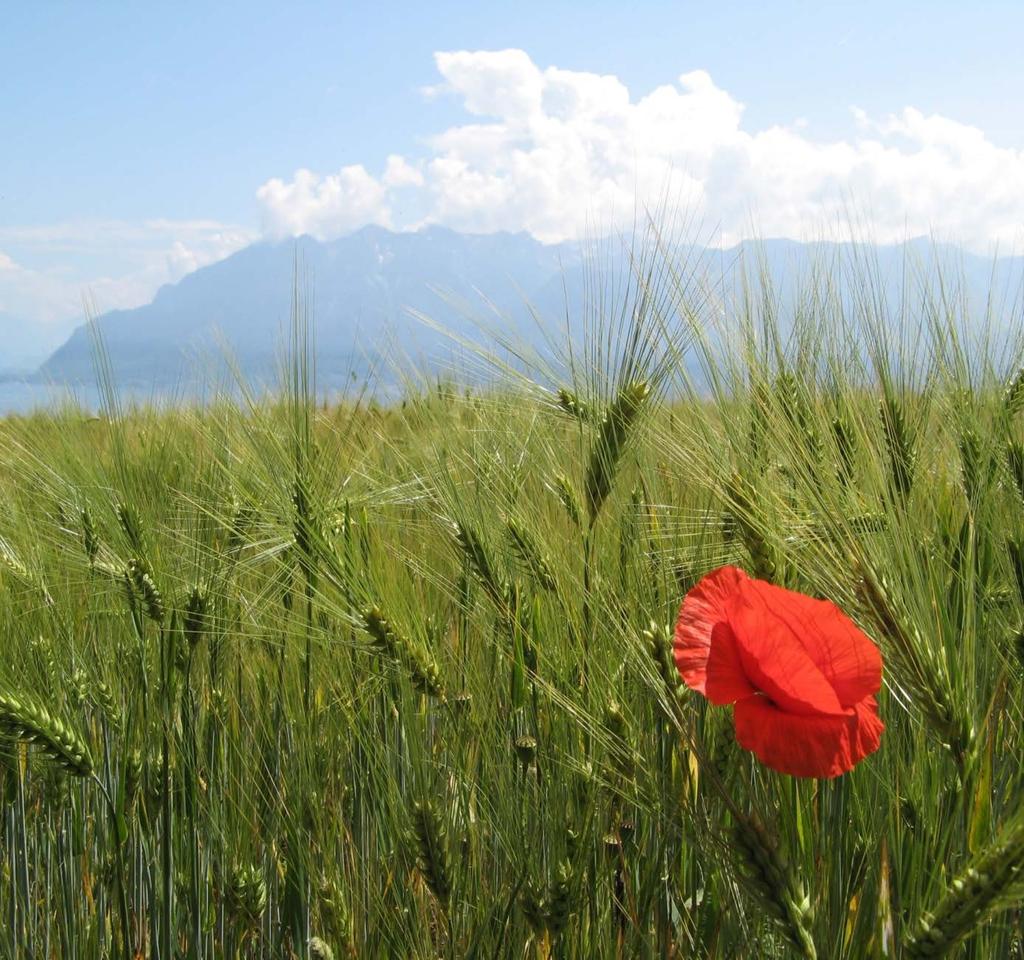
[[549, 150], [323, 206], [554, 151], [113, 264], [400, 173]]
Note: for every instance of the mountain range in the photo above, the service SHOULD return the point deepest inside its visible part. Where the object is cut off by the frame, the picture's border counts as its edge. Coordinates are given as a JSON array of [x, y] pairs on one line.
[[359, 290], [363, 291]]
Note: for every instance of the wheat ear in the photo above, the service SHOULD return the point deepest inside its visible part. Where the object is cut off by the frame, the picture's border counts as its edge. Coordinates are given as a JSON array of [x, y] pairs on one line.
[[23, 718]]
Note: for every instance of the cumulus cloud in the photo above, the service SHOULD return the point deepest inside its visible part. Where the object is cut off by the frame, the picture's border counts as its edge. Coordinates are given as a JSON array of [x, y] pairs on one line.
[[400, 173], [549, 151], [555, 152], [56, 264], [324, 206]]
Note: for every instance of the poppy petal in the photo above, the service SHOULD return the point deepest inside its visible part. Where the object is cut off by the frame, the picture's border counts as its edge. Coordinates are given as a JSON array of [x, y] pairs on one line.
[[774, 659], [726, 682], [869, 728], [847, 658], [807, 746], [703, 607]]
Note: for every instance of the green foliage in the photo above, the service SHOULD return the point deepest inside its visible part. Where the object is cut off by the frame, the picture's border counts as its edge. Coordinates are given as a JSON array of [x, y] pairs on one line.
[[610, 443], [24, 718], [283, 679]]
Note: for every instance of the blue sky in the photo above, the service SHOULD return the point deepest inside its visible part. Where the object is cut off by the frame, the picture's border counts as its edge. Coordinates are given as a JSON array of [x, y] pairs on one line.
[[142, 140]]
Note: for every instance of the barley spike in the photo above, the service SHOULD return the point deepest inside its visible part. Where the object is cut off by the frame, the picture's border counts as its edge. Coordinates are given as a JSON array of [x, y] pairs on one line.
[[23, 718]]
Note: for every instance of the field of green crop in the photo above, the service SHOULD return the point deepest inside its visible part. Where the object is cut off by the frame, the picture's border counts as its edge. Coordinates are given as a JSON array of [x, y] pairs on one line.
[[395, 680]]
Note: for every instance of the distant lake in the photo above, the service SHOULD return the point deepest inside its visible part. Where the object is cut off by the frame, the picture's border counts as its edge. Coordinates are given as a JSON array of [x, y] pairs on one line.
[[19, 397]]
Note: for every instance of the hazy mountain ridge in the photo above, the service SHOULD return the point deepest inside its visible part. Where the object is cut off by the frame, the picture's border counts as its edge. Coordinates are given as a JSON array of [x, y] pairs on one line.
[[361, 288]]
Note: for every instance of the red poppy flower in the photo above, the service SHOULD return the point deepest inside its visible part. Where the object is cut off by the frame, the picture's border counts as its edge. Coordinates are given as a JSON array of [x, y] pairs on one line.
[[802, 677]]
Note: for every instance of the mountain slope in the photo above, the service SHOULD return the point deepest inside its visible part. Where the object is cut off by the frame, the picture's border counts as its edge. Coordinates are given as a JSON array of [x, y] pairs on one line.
[[361, 289]]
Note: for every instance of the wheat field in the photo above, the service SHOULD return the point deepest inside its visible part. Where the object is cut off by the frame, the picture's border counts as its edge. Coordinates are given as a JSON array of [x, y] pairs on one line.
[[393, 678]]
